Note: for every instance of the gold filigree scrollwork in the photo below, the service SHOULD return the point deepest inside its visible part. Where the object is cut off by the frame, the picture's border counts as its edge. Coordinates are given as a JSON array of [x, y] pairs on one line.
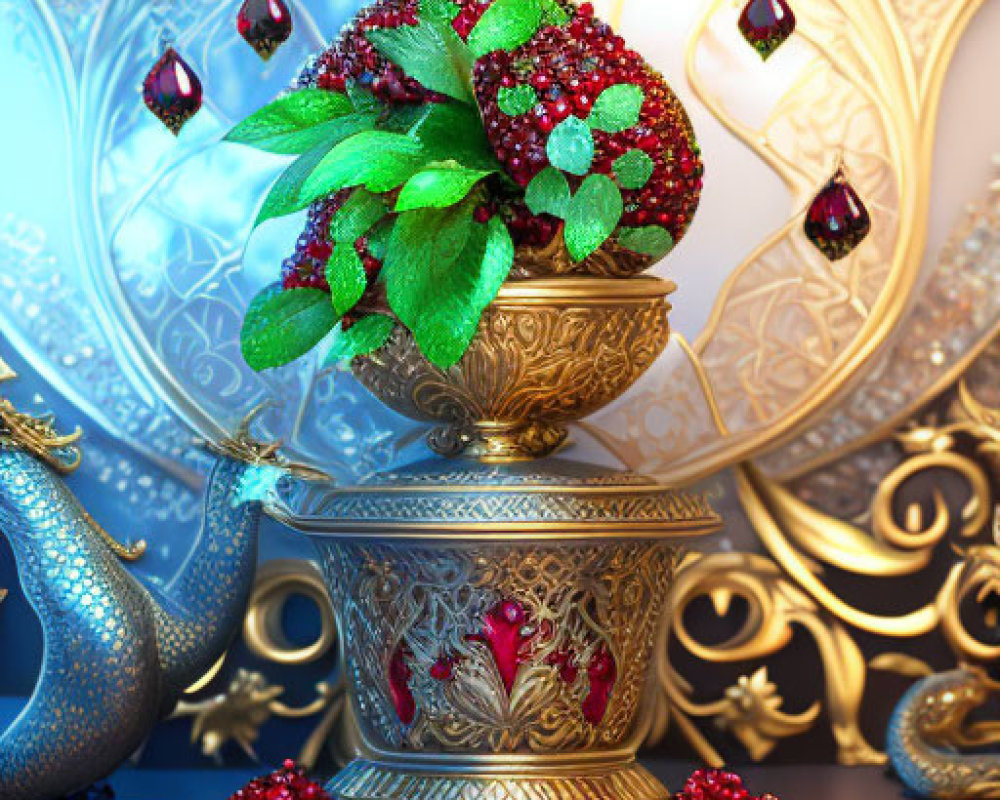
[[787, 587], [250, 700], [751, 709]]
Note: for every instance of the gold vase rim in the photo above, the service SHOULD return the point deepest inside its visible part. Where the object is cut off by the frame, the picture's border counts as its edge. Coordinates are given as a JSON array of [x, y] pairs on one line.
[[610, 290], [461, 532]]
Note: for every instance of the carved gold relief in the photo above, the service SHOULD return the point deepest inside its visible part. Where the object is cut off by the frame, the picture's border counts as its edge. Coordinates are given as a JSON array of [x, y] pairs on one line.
[[579, 621], [546, 353], [958, 436]]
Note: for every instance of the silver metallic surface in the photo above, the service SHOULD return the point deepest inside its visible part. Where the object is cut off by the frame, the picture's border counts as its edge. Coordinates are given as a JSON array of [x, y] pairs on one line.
[[117, 653]]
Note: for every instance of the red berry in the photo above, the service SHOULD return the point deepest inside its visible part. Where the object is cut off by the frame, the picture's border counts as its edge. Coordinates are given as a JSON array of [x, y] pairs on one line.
[[353, 57], [569, 67], [287, 783]]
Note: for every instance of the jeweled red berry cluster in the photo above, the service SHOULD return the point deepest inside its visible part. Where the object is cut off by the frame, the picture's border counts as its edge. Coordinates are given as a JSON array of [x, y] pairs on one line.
[[306, 267], [717, 784], [568, 67], [355, 58], [287, 783]]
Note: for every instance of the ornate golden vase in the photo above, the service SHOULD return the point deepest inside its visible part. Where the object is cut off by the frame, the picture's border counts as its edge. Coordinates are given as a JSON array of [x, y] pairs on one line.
[[499, 611], [548, 352]]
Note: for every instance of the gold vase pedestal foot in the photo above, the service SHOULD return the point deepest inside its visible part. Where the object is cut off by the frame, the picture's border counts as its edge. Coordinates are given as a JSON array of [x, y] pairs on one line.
[[498, 624], [364, 780]]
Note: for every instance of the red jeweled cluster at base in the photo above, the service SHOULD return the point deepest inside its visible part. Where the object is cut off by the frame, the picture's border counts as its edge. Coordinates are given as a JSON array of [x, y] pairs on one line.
[[287, 783], [717, 784]]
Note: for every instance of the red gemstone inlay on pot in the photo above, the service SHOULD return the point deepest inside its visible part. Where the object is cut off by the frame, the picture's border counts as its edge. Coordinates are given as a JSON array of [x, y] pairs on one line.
[[443, 669], [602, 673], [565, 660], [265, 24], [837, 221], [766, 25], [506, 634], [399, 684], [172, 91]]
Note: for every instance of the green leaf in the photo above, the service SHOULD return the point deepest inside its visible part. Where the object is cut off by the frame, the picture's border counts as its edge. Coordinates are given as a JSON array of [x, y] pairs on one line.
[[440, 10], [517, 100], [554, 14], [593, 215], [571, 146], [431, 53], [649, 241], [548, 193], [361, 98], [456, 296], [438, 187], [377, 160], [291, 124], [425, 243], [363, 337], [378, 238], [617, 109], [506, 25], [285, 196], [282, 326], [634, 169], [346, 275], [452, 131], [357, 216]]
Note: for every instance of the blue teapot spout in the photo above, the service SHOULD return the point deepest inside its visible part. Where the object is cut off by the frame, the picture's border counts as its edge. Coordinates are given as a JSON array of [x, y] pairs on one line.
[[118, 653]]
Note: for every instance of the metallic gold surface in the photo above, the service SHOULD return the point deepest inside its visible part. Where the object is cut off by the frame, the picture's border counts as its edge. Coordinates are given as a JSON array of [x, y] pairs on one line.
[[276, 582], [610, 261], [486, 653], [238, 714], [789, 331], [38, 436], [930, 728], [430, 599], [547, 353], [787, 586]]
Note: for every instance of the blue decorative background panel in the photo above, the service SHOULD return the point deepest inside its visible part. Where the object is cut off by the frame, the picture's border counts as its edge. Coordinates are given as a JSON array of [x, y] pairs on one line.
[[124, 271]]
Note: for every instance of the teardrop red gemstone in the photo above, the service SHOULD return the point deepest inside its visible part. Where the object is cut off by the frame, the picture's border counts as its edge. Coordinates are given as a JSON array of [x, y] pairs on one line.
[[265, 24], [172, 91], [399, 684], [602, 673], [837, 221], [766, 25]]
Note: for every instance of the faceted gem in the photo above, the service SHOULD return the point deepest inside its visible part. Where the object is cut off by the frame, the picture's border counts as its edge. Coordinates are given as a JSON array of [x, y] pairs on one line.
[[399, 684], [172, 91], [265, 24], [766, 25], [602, 674], [716, 784], [584, 71], [288, 783], [508, 637], [565, 661], [443, 669], [837, 221]]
